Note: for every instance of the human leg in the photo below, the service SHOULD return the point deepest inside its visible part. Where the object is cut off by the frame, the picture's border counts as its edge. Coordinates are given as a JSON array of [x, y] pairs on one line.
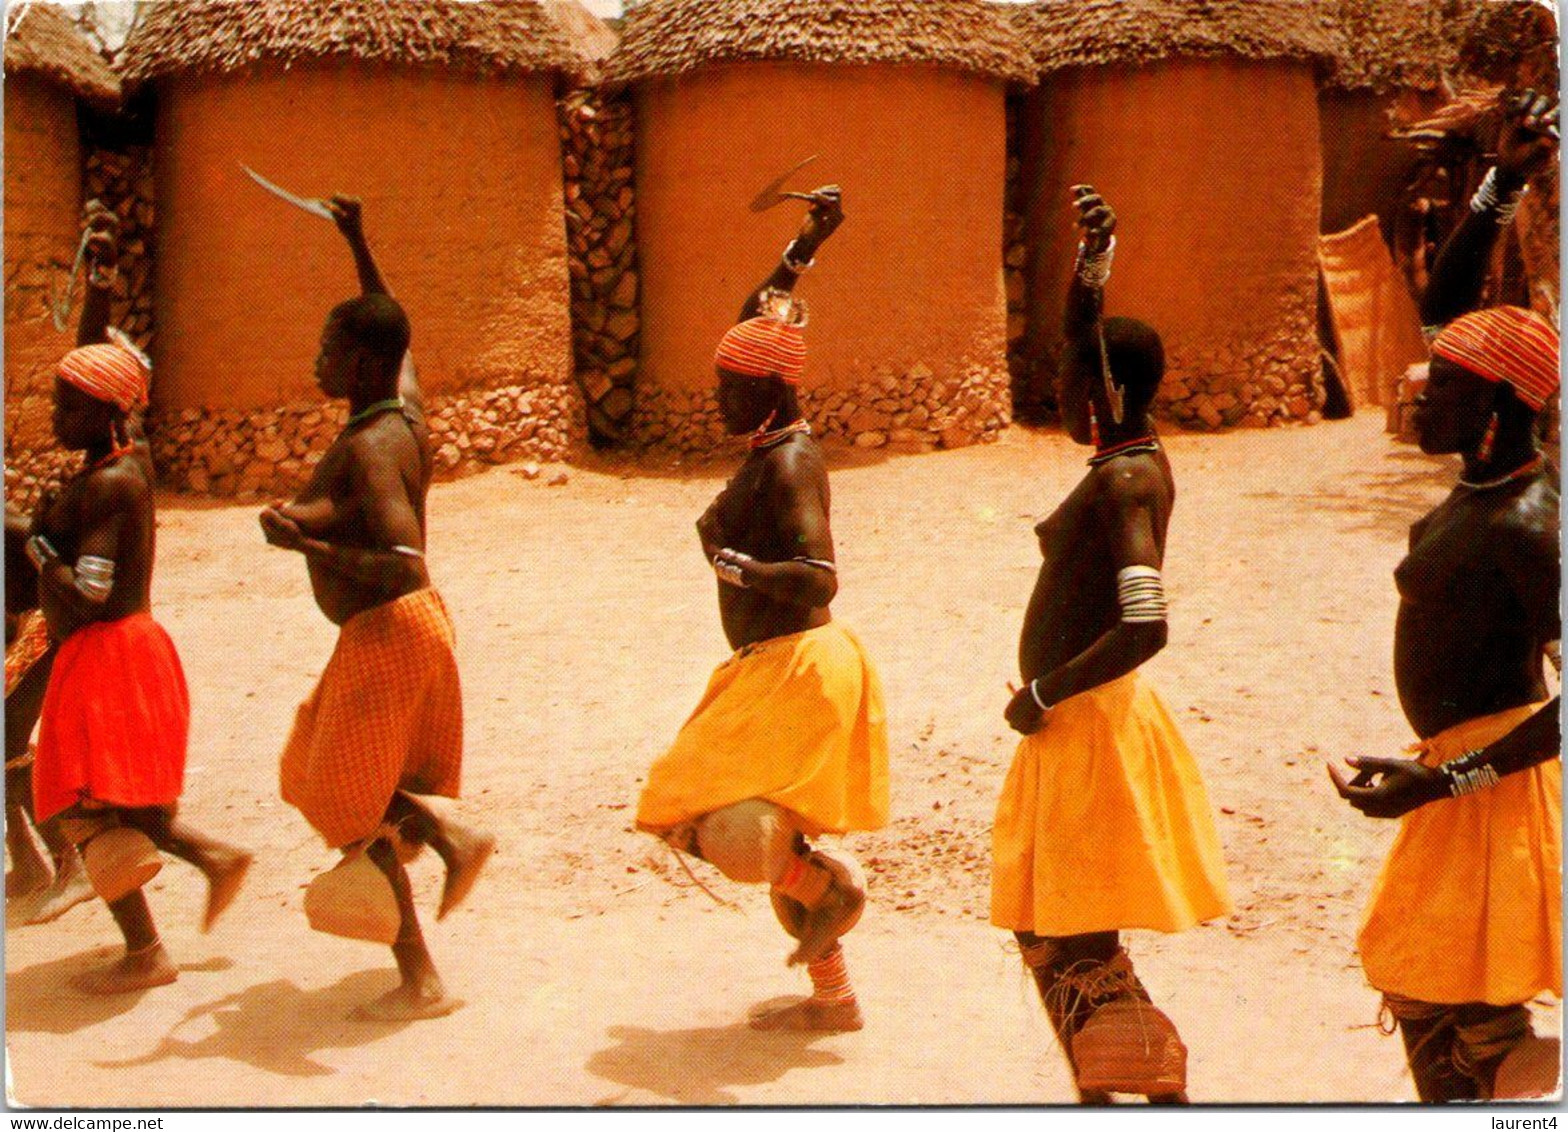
[[223, 865], [462, 849], [420, 993]]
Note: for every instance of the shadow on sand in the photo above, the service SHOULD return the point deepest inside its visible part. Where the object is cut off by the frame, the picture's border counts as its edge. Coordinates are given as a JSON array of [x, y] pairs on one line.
[[276, 1026], [41, 999], [698, 1067]]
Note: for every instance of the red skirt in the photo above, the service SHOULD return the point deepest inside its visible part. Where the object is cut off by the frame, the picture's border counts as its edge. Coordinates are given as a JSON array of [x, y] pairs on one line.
[[115, 719]]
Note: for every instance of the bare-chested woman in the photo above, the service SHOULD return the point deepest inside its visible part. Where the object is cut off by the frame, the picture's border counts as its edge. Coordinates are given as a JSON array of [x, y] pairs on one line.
[[116, 714], [1465, 924], [1103, 823], [386, 721], [790, 740]]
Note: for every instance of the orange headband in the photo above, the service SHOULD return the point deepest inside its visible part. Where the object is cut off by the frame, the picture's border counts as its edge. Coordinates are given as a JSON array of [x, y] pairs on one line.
[[108, 373], [1505, 344], [763, 347]]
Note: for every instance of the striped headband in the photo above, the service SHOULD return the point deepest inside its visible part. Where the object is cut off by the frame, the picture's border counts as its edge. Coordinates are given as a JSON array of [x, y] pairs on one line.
[[763, 347], [1505, 344], [108, 373]]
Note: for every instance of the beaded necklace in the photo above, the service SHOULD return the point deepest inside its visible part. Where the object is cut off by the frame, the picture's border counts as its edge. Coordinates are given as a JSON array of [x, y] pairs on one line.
[[760, 439], [1530, 467], [1125, 448], [371, 410]]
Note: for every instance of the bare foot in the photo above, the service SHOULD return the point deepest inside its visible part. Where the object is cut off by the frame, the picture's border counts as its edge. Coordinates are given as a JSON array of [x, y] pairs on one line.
[[149, 968], [836, 1016], [408, 1004], [223, 884], [69, 889], [33, 870], [835, 914], [470, 850]]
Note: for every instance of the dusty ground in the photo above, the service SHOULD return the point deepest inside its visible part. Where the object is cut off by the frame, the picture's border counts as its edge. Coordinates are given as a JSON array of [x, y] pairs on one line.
[[594, 973]]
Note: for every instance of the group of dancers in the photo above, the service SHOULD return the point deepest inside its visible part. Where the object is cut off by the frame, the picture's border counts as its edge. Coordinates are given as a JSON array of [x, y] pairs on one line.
[[1103, 824]]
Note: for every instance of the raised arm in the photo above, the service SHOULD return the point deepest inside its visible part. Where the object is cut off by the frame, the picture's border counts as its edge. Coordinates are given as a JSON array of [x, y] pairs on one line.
[[1525, 146], [349, 214], [347, 211], [1086, 291], [823, 219], [1126, 513], [103, 268]]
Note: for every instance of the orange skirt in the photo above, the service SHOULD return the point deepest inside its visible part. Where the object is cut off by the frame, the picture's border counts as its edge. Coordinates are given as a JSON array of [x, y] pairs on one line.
[[386, 715], [1104, 822], [796, 720], [115, 719], [1469, 905]]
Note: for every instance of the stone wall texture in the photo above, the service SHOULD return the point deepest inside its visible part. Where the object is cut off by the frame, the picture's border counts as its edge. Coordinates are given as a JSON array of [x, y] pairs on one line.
[[1213, 167], [907, 302], [601, 246]]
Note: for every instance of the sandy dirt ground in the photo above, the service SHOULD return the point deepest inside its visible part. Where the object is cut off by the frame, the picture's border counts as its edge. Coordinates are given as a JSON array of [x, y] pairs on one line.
[[594, 973]]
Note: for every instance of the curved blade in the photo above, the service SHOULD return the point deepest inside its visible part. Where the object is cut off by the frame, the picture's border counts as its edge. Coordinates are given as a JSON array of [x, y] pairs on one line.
[[773, 194], [309, 204]]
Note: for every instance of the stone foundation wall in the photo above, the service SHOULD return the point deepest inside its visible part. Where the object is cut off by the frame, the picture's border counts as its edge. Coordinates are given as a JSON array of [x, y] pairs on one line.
[[232, 452], [911, 412], [601, 245]]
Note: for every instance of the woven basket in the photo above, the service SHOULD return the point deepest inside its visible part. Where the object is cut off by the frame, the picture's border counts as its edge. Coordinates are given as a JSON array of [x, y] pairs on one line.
[[1532, 1070], [119, 861], [1129, 1046], [354, 900]]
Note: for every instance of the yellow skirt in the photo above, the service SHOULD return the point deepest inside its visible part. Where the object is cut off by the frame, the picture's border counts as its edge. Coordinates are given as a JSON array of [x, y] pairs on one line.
[[1469, 905], [1104, 823], [796, 720]]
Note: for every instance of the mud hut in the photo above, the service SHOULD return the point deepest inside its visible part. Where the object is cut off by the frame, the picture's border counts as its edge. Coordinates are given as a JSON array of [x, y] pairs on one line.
[[1198, 119], [49, 67], [440, 115], [901, 102]]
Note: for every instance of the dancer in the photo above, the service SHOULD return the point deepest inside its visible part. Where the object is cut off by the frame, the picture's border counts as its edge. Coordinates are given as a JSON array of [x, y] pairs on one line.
[[1103, 823]]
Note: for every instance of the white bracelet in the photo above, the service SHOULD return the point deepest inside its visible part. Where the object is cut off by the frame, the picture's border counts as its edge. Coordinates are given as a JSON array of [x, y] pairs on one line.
[[1487, 197], [729, 565], [1095, 270], [795, 265], [1471, 779], [1034, 693]]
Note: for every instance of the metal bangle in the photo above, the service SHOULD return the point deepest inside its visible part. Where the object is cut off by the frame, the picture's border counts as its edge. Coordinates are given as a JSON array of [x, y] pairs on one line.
[[1034, 693], [793, 265], [1095, 270]]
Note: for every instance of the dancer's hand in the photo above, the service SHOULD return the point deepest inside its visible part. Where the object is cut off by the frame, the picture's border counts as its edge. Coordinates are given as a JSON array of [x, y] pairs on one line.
[[1405, 785], [280, 530], [824, 217], [1023, 713], [347, 212], [1095, 217], [1528, 140]]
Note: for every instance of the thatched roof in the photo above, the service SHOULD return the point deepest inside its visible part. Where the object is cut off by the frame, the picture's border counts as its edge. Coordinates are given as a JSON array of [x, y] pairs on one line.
[[592, 37], [47, 43], [1095, 33], [670, 37], [1510, 43], [1391, 44], [220, 36]]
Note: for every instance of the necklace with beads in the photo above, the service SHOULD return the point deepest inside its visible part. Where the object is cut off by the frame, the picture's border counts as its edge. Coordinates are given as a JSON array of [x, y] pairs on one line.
[[760, 440], [1529, 468], [1125, 448], [371, 410]]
